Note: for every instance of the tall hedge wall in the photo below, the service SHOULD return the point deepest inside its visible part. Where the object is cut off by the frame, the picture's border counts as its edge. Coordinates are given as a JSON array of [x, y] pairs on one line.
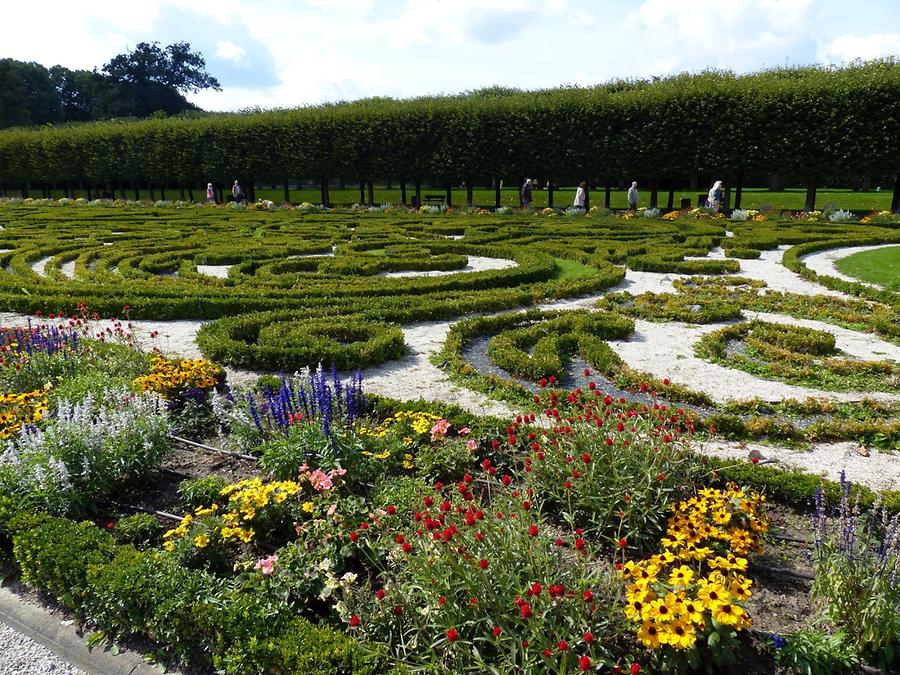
[[802, 121]]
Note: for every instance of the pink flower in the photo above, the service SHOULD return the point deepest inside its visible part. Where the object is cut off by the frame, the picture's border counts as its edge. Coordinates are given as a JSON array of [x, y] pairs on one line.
[[266, 565], [465, 431], [439, 430], [332, 509], [472, 445], [320, 480]]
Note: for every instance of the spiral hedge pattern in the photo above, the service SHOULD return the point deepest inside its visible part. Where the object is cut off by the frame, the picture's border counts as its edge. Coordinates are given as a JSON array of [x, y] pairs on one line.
[[290, 287]]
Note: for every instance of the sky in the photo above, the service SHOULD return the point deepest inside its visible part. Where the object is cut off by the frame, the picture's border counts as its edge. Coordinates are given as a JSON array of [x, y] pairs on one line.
[[283, 53]]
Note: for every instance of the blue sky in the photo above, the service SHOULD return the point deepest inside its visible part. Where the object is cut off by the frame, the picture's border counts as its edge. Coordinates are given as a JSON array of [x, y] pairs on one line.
[[282, 53]]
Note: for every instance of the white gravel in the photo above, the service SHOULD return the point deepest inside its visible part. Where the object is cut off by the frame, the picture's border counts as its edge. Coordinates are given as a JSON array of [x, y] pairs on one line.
[[415, 377], [823, 262], [768, 268], [879, 471], [21, 655], [218, 271], [476, 263], [667, 350], [68, 269], [39, 265]]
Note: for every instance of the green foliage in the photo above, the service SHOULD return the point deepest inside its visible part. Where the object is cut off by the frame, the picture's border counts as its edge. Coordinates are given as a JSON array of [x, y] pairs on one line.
[[445, 460], [812, 651], [200, 492], [146, 593], [141, 530], [794, 354], [640, 131], [55, 555]]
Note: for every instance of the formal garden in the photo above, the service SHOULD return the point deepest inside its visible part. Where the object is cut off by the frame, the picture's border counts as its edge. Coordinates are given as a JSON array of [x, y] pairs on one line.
[[378, 438]]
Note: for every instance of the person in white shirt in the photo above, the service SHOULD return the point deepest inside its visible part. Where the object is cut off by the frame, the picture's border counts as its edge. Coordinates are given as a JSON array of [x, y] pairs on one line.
[[714, 198], [581, 195], [632, 196], [236, 192]]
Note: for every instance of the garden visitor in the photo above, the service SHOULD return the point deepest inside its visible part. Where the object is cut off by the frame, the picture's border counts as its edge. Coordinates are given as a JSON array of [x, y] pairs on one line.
[[581, 195], [210, 193], [632, 196], [236, 192], [526, 194], [714, 199]]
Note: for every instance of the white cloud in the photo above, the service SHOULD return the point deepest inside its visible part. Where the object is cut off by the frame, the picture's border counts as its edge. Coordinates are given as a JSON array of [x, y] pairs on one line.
[[711, 33], [228, 50], [849, 47]]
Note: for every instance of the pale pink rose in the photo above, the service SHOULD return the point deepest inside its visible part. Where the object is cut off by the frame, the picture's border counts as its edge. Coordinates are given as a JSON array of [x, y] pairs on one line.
[[472, 445]]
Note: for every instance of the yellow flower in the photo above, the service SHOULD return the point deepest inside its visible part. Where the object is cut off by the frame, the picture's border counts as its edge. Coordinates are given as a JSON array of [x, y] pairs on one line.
[[681, 576], [169, 546], [729, 614], [308, 507], [664, 609], [201, 541], [712, 594], [679, 635], [648, 634]]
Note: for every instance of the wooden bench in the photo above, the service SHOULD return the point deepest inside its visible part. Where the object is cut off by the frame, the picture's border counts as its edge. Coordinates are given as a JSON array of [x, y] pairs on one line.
[[435, 200]]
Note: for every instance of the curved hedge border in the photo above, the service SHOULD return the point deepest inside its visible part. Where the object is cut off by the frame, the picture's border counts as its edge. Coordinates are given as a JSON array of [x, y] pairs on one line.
[[594, 350], [277, 341], [796, 355], [793, 261]]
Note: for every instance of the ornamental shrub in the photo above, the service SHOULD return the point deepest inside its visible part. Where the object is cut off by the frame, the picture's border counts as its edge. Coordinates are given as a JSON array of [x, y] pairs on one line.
[[54, 556]]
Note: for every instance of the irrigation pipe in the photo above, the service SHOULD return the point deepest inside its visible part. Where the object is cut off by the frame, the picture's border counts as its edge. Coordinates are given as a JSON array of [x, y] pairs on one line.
[[209, 448]]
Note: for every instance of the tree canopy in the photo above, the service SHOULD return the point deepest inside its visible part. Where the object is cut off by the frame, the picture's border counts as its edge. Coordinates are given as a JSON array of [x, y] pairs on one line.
[[144, 81]]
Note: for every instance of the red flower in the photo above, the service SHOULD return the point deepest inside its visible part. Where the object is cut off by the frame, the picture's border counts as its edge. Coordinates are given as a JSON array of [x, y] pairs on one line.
[[354, 536], [644, 387], [407, 547], [533, 530], [497, 631], [452, 635], [379, 594], [755, 460], [660, 477], [398, 610], [442, 601], [623, 543], [563, 645], [391, 510], [483, 564], [535, 589], [526, 506], [666, 381], [547, 653], [635, 668], [552, 379], [579, 544], [506, 480], [587, 371], [587, 596], [428, 501], [525, 610], [399, 539], [537, 399], [588, 637], [584, 664], [354, 620]]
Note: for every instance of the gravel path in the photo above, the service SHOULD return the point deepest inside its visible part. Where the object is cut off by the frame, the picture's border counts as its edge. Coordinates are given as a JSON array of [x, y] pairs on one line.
[[218, 271], [879, 471], [23, 656], [476, 263], [823, 262], [667, 350], [39, 265]]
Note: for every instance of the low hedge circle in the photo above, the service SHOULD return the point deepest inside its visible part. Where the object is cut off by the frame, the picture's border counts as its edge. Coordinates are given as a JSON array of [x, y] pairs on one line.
[[797, 355], [278, 341]]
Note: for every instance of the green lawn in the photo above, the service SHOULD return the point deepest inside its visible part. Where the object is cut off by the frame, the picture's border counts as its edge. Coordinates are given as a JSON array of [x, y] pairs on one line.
[[753, 198], [881, 266]]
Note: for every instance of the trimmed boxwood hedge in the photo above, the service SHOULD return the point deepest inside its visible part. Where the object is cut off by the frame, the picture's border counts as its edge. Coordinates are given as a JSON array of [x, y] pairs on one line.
[[277, 341]]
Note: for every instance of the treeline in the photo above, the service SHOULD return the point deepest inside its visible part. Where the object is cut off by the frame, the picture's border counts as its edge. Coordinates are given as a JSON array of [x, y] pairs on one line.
[[146, 81], [811, 122]]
